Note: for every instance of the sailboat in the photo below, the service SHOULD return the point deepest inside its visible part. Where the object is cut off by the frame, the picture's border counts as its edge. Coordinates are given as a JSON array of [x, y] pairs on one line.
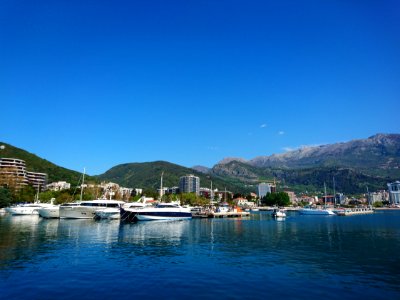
[[318, 211]]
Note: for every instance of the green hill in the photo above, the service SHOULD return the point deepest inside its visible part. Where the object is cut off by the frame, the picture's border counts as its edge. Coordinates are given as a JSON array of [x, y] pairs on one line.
[[235, 176], [37, 164], [147, 175]]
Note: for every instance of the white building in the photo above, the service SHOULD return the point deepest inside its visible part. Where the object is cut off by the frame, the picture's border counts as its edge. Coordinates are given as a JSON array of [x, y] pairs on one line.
[[263, 189], [244, 203], [58, 186], [378, 196], [394, 192]]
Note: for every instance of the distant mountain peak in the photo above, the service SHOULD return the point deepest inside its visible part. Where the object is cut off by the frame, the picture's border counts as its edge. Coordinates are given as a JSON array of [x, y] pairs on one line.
[[201, 169], [373, 152], [227, 160]]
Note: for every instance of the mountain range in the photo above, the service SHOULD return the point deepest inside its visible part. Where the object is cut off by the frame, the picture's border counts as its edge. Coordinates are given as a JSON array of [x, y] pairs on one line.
[[349, 167]]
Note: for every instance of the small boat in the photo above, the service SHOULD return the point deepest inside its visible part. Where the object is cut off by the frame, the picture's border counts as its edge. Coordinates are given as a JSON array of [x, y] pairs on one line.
[[278, 213], [223, 207], [162, 211]]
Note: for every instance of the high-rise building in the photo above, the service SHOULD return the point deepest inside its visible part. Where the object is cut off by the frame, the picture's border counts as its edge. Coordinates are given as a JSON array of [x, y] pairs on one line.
[[189, 184], [394, 192], [263, 189]]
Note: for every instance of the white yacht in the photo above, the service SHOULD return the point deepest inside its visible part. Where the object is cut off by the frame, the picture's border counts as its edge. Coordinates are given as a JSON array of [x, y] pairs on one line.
[[162, 211], [128, 210], [27, 209], [87, 209], [278, 213], [49, 212], [52, 212], [317, 211]]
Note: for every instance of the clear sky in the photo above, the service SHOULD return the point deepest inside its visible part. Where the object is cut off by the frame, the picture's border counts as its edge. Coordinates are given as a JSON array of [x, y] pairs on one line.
[[98, 83]]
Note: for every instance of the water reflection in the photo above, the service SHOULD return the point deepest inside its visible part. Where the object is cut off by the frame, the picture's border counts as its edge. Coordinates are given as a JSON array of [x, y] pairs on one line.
[[154, 232], [312, 247]]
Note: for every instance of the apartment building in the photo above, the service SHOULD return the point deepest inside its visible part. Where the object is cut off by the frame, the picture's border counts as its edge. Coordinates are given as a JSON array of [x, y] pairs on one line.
[[13, 173]]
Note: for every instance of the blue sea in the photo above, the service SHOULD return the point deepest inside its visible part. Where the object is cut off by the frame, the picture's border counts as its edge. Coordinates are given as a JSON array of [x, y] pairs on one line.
[[302, 257]]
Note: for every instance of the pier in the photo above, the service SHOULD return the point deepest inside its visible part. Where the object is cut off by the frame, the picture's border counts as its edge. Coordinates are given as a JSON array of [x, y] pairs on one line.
[[228, 214]]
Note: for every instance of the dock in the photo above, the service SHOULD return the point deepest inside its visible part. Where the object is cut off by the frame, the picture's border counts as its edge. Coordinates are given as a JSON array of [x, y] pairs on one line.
[[354, 211], [229, 214]]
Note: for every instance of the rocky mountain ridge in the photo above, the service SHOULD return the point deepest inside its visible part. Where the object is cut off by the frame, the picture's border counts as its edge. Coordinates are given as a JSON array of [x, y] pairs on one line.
[[378, 152]]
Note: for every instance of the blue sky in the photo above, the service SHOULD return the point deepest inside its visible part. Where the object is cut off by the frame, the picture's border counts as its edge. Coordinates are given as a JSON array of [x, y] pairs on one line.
[[98, 83]]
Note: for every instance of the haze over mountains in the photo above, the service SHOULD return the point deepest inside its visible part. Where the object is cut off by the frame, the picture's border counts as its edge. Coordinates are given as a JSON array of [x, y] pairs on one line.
[[354, 165]]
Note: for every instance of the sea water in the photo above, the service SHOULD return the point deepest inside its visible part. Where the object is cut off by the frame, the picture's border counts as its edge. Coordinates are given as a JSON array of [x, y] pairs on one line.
[[301, 257]]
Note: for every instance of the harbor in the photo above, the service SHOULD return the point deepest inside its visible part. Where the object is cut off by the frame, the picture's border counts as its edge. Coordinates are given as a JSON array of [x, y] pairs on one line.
[[195, 258]]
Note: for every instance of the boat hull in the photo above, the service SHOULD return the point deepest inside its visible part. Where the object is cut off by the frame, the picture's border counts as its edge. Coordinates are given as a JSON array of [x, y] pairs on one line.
[[279, 215], [154, 214], [49, 212], [108, 213], [322, 212], [21, 210], [357, 211], [77, 212], [163, 216]]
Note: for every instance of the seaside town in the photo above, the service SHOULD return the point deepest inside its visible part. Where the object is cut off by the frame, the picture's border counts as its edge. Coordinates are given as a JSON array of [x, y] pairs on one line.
[[196, 201]]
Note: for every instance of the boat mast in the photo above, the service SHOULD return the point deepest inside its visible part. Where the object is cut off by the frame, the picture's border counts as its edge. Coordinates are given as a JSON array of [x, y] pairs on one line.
[[161, 186], [211, 195], [83, 180], [37, 193], [325, 194], [334, 191]]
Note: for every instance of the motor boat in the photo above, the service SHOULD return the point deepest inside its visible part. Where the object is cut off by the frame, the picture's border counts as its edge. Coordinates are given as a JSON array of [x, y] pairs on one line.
[[49, 212], [53, 212], [162, 211], [278, 213], [27, 209], [317, 211], [87, 209]]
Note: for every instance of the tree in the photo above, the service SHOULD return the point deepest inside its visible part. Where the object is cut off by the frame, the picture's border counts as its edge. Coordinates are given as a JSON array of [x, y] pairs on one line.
[[5, 197], [26, 194], [279, 199]]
